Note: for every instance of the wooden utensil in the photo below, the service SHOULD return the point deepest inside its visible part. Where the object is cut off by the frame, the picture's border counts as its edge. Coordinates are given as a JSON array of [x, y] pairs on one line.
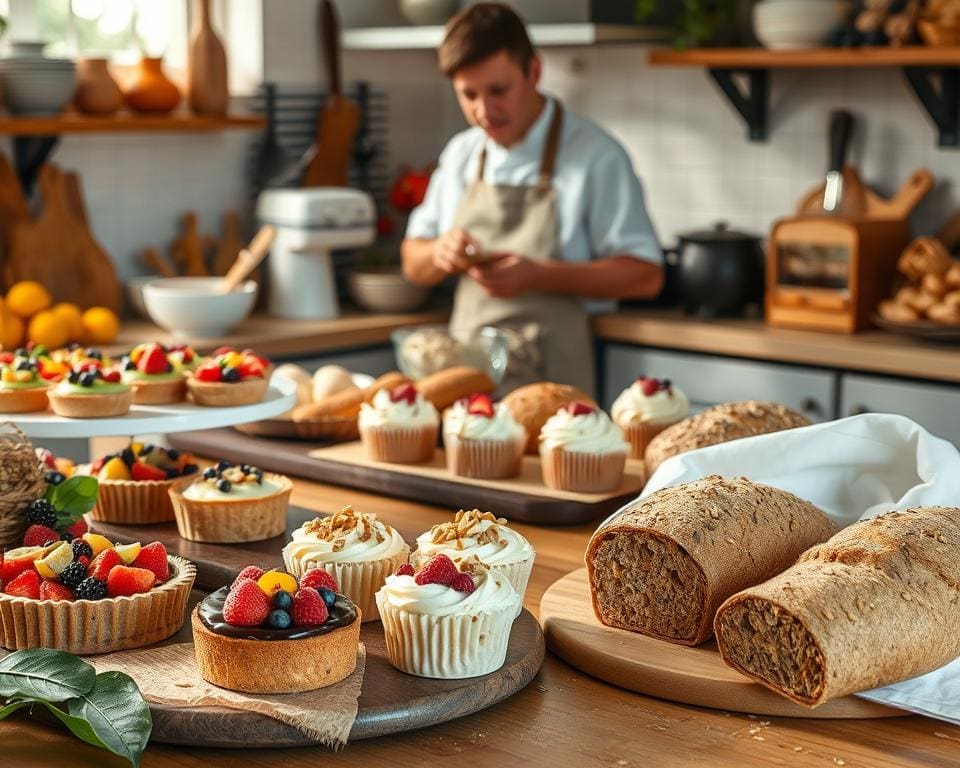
[[229, 244], [156, 262], [186, 252], [248, 259], [339, 118]]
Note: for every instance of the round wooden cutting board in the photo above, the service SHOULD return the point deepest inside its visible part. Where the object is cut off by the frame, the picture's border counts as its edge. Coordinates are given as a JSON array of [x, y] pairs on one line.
[[675, 672]]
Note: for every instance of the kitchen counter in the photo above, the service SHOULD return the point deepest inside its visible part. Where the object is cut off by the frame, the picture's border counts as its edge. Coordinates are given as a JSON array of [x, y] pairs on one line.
[[561, 717], [870, 351]]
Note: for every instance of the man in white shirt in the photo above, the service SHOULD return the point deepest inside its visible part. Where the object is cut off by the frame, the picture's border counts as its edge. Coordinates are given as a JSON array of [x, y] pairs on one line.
[[536, 209]]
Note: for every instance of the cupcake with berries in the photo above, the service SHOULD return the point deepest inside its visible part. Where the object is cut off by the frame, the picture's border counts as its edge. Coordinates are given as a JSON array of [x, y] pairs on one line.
[[22, 388], [582, 450], [91, 391], [355, 548], [154, 378], [443, 622], [135, 483], [399, 426], [230, 503], [482, 439], [230, 378], [646, 408], [270, 632]]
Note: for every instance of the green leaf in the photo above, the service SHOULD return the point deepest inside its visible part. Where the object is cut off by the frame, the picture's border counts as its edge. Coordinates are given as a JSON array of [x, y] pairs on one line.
[[73, 498], [13, 706], [77, 725], [46, 674], [117, 713]]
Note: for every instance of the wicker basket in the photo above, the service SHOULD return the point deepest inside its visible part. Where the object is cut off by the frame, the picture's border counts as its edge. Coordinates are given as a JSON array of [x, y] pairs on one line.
[[21, 481]]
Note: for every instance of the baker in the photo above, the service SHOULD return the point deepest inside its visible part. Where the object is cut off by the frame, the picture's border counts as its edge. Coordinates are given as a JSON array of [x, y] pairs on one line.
[[536, 209]]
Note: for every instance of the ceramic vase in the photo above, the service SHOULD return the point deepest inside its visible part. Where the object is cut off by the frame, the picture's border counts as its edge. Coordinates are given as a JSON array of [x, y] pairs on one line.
[[97, 92], [207, 65], [151, 90]]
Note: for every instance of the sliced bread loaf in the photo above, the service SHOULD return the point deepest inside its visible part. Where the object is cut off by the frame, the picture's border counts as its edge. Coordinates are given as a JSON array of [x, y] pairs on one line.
[[877, 603], [663, 565], [720, 424]]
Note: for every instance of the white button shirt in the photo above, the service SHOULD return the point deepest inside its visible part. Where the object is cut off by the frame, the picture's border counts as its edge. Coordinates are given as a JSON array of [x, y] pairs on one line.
[[599, 198]]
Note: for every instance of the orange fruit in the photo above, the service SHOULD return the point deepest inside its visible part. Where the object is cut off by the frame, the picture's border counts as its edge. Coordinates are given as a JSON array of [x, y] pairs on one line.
[[28, 297], [49, 328], [72, 315], [11, 329], [100, 325]]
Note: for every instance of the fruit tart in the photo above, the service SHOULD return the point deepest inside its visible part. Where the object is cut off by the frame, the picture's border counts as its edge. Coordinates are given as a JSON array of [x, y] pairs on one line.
[[183, 357], [90, 596], [271, 633], [91, 392], [230, 503], [135, 483], [154, 378], [230, 378], [22, 388], [482, 439]]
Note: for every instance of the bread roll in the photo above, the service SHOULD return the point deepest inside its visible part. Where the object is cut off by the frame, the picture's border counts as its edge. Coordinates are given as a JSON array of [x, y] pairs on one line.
[[897, 313], [445, 387], [329, 380], [663, 565], [299, 376], [533, 404], [875, 604], [720, 424]]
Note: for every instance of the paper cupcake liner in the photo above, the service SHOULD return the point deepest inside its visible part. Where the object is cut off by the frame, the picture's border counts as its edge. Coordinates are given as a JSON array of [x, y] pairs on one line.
[[227, 394], [582, 472], [99, 626], [24, 400], [518, 573], [134, 502], [231, 521], [159, 392], [490, 459], [446, 647], [639, 435], [400, 445], [358, 581]]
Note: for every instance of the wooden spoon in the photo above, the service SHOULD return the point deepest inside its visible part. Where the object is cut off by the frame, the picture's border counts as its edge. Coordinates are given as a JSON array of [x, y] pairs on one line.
[[248, 259]]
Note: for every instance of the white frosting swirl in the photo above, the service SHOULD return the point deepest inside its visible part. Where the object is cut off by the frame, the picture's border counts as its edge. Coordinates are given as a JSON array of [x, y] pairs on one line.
[[202, 490], [665, 406], [586, 433], [385, 412], [457, 420], [493, 592], [501, 547], [369, 540]]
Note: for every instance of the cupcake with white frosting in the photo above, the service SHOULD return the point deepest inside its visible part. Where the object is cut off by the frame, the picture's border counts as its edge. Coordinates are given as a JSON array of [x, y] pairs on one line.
[[482, 537], [356, 548], [646, 408], [582, 450], [442, 622], [399, 426], [482, 439]]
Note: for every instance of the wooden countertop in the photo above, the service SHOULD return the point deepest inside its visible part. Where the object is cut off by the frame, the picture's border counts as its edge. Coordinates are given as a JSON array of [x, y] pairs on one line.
[[872, 351], [560, 717]]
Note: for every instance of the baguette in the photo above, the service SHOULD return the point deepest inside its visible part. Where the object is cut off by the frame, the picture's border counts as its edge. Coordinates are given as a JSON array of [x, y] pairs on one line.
[[663, 565], [720, 424], [874, 605], [343, 405], [445, 387]]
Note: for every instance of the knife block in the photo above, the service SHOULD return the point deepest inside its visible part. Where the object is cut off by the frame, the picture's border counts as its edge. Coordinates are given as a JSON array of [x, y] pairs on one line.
[[829, 274]]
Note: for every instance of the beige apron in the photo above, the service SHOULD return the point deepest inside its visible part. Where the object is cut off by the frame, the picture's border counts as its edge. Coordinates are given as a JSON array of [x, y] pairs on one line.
[[523, 220]]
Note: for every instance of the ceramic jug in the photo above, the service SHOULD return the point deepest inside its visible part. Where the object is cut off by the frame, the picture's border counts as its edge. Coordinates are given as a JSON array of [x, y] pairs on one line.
[[207, 66], [151, 90], [97, 92]]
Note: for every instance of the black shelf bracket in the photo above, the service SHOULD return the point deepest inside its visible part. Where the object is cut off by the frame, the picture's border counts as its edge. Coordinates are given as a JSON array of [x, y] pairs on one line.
[[942, 105], [29, 155], [752, 105]]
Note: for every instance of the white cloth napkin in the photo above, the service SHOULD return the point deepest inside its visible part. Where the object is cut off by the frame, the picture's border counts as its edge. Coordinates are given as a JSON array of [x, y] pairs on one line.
[[853, 469]]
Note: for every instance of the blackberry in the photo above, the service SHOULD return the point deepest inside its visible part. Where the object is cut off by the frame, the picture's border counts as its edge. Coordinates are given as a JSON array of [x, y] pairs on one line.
[[74, 377], [65, 536], [224, 485], [128, 458], [81, 549], [173, 454], [53, 477], [41, 512], [172, 473], [87, 379], [91, 589], [129, 366], [189, 469], [73, 575], [229, 373]]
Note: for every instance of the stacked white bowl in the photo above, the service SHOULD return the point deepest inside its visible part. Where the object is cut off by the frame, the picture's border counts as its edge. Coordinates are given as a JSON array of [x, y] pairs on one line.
[[32, 84], [784, 24]]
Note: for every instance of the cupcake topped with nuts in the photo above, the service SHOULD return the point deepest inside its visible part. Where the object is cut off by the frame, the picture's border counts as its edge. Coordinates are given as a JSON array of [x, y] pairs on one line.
[[240, 481]]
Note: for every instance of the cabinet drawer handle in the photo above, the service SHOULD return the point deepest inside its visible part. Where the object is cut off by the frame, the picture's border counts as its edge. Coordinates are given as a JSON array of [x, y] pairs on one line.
[[858, 409], [811, 406]]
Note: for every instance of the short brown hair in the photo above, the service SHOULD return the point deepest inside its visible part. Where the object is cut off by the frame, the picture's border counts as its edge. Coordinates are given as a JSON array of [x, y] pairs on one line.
[[480, 31]]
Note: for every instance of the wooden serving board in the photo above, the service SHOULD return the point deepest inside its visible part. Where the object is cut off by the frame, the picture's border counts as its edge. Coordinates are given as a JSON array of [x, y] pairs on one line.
[[675, 672], [524, 498]]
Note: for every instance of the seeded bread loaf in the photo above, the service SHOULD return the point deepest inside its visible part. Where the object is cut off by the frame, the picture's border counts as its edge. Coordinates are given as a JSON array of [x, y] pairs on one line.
[[876, 604], [664, 565], [720, 424]]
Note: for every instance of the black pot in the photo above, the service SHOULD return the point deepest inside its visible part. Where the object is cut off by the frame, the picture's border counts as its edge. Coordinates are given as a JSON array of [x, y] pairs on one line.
[[719, 271]]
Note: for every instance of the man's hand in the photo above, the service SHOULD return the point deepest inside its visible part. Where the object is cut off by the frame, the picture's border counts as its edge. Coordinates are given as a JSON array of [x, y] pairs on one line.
[[450, 251], [506, 275]]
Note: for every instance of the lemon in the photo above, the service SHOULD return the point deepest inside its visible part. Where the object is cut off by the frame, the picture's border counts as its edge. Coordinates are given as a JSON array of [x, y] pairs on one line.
[[128, 552], [49, 328], [100, 326], [274, 581], [28, 297], [97, 542], [53, 562], [72, 316], [114, 469]]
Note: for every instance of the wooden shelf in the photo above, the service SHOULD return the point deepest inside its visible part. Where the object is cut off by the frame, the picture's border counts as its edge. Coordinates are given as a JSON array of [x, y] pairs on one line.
[[72, 123]]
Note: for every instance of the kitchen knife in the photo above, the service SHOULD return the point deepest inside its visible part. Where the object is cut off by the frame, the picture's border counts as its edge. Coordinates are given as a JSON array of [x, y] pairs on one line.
[[841, 126]]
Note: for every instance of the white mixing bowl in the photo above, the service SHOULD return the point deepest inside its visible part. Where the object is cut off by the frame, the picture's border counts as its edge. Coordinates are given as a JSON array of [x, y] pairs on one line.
[[190, 307]]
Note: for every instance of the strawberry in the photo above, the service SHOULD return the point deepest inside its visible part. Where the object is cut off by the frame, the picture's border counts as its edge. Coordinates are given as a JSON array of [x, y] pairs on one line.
[[103, 563], [247, 605], [480, 405], [318, 578], [124, 580], [77, 529], [463, 582], [649, 386], [52, 590], [38, 535], [439, 569], [250, 573], [6, 357], [143, 471], [27, 584], [112, 376], [153, 557], [579, 408], [406, 392], [154, 360], [208, 372], [249, 353], [251, 369], [222, 351], [405, 569], [309, 610], [15, 561]]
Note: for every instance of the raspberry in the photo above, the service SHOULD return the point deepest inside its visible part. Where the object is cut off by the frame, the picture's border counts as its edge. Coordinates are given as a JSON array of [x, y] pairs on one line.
[[38, 535], [103, 563], [309, 610], [153, 557], [77, 529], [27, 584], [246, 606], [649, 387], [250, 573], [317, 578], [123, 580], [405, 569], [463, 582], [439, 569], [50, 590], [579, 408], [405, 392]]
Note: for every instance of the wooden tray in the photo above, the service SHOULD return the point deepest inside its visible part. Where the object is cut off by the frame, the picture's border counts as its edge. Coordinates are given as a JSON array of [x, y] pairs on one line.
[[678, 673], [525, 499]]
